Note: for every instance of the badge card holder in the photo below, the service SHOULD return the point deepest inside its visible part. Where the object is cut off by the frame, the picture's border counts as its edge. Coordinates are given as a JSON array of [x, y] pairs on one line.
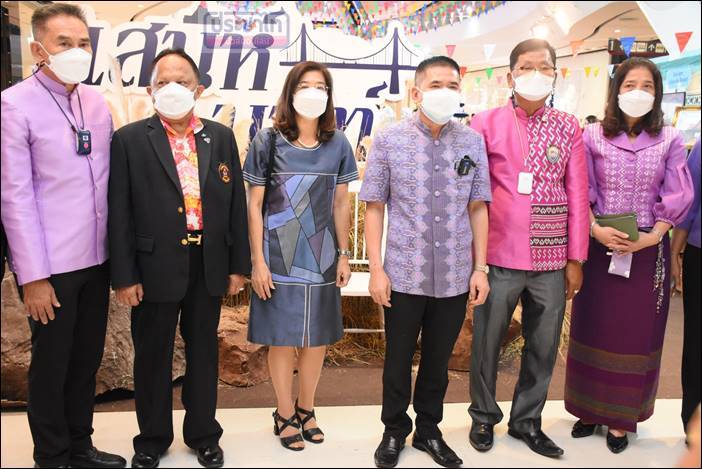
[[83, 142], [526, 183]]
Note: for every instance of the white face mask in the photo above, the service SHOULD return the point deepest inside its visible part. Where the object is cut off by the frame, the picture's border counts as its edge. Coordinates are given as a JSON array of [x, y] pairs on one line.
[[310, 102], [440, 105], [71, 66], [174, 101], [636, 103], [533, 86]]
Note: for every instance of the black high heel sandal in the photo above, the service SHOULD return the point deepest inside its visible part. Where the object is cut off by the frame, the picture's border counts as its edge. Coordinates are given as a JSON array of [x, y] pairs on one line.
[[309, 435], [287, 441]]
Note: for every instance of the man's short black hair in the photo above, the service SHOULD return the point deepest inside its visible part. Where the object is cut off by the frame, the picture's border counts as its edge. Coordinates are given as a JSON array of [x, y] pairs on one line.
[[180, 53], [530, 45], [591, 119], [439, 60], [43, 14]]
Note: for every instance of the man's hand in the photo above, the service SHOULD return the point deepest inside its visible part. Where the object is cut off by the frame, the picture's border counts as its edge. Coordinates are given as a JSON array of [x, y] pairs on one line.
[[479, 289], [236, 284], [262, 280], [130, 296], [676, 266], [343, 272], [40, 300], [574, 279], [379, 287]]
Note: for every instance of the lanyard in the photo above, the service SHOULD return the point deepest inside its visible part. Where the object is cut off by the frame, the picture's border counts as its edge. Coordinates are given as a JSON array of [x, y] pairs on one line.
[[525, 154], [82, 118]]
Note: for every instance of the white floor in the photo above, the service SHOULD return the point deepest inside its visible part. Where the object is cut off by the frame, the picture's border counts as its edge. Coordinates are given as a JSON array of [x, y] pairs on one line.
[[354, 432]]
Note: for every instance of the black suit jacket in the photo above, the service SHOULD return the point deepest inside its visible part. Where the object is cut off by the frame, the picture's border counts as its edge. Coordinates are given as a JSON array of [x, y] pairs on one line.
[[147, 221]]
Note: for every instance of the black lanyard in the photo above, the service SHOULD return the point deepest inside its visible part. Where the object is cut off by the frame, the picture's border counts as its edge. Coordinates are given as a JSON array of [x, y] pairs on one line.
[[82, 118]]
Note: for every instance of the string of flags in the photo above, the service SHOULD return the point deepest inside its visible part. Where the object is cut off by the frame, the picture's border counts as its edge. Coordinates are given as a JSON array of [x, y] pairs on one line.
[[591, 71]]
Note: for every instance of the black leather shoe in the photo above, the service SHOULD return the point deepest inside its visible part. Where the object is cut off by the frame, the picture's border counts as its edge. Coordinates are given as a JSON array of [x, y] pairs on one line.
[[481, 436], [538, 442], [210, 456], [617, 444], [581, 430], [438, 450], [145, 460], [95, 458], [388, 452]]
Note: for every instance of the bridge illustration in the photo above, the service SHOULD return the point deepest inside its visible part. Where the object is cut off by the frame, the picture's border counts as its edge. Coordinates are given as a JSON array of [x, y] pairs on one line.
[[393, 57]]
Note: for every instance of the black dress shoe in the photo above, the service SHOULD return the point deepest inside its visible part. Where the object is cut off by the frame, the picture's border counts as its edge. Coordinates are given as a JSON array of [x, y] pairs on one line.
[[481, 436], [581, 430], [145, 460], [95, 458], [438, 450], [388, 452], [210, 456], [617, 444], [538, 442]]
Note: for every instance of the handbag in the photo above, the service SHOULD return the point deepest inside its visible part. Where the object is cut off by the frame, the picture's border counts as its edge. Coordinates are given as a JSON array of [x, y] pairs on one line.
[[624, 222]]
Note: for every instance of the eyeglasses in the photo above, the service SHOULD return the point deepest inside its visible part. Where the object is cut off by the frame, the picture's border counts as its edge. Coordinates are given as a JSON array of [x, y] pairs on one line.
[[304, 86], [543, 69]]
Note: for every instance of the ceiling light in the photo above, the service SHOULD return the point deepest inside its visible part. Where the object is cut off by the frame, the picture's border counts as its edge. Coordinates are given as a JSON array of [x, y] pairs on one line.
[[617, 30], [540, 31]]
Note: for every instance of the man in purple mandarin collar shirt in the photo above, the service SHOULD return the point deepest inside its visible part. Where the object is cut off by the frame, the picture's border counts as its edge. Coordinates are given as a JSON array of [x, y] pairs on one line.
[[55, 170]]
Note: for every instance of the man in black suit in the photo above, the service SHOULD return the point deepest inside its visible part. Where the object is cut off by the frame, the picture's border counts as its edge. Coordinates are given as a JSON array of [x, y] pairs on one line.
[[178, 242]]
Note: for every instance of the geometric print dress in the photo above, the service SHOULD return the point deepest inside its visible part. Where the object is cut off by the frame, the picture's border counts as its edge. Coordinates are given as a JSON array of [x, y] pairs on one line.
[[299, 239]]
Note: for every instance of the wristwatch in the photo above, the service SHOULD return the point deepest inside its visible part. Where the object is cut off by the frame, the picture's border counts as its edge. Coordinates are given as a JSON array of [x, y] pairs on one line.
[[481, 268], [344, 252]]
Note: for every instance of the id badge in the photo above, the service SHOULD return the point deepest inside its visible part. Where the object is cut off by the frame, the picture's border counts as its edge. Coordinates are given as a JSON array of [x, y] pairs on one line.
[[83, 142], [621, 264], [526, 182]]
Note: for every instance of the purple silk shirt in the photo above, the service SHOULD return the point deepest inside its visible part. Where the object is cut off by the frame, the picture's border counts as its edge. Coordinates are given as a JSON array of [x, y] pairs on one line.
[[429, 235], [648, 176], [54, 201]]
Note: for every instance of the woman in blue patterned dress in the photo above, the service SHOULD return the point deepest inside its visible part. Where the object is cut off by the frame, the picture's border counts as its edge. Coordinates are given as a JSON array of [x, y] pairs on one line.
[[298, 174]]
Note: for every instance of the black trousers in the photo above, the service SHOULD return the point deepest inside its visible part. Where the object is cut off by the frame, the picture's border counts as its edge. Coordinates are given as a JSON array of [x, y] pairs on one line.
[[439, 320], [66, 355], [691, 358], [153, 334]]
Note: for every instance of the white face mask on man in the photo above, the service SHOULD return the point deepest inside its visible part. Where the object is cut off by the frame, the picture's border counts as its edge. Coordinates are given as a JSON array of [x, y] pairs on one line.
[[636, 103], [533, 86], [439, 105], [174, 101], [71, 66]]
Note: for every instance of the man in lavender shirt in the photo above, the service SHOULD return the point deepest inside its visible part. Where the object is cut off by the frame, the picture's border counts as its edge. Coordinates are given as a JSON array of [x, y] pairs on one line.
[[685, 251], [432, 172], [55, 170]]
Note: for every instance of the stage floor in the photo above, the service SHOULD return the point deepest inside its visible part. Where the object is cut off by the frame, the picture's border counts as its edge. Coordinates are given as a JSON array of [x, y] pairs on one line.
[[353, 433]]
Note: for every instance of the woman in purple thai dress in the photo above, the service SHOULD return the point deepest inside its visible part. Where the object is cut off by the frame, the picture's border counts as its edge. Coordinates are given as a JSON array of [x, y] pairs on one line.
[[636, 165]]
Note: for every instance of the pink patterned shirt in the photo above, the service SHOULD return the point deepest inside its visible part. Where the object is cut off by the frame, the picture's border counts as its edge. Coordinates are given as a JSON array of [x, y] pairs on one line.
[[185, 156]]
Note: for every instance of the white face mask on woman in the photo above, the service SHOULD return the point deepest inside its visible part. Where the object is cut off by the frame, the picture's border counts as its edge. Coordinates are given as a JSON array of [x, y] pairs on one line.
[[174, 101], [440, 105], [310, 102], [533, 86], [71, 66], [636, 103]]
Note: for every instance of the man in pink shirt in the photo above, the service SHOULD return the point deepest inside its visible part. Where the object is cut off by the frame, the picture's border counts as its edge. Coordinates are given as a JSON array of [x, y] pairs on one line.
[[55, 169], [537, 242]]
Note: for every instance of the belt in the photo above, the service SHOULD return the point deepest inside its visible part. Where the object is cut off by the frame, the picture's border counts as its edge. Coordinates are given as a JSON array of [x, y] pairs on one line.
[[195, 237]]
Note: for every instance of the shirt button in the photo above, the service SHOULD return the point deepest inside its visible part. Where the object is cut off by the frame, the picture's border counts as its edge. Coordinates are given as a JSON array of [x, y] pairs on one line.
[[437, 244], [437, 194], [437, 219], [184, 242], [180, 209], [436, 143], [436, 168]]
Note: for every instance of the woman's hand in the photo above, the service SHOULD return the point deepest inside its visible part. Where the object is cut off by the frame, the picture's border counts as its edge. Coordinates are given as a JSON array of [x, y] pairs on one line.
[[646, 240], [611, 238], [261, 280], [343, 272]]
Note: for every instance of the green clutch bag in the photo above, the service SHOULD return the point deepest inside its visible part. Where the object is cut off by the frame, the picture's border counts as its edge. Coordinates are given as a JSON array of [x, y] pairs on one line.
[[624, 222]]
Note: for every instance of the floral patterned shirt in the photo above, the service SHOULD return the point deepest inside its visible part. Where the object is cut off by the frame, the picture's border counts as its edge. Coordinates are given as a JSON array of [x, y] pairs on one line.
[[185, 156], [429, 235]]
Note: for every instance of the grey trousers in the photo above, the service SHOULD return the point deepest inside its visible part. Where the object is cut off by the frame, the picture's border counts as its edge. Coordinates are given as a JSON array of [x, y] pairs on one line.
[[543, 303]]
